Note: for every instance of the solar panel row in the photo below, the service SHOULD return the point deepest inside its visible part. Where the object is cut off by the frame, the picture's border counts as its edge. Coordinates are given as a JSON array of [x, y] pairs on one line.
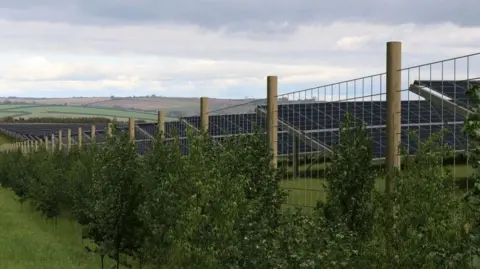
[[453, 89], [319, 121]]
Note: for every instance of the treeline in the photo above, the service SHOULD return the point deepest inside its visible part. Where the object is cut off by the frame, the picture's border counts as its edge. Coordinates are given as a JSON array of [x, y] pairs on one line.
[[91, 120], [221, 205]]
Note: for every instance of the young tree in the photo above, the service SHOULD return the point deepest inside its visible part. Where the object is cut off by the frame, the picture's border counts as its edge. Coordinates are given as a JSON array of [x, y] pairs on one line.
[[351, 179], [116, 192]]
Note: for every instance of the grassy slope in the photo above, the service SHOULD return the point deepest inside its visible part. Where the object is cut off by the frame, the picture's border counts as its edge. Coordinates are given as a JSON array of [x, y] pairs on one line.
[[27, 241]]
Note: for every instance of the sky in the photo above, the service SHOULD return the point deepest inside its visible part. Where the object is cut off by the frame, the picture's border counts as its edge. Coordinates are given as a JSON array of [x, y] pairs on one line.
[[227, 48]]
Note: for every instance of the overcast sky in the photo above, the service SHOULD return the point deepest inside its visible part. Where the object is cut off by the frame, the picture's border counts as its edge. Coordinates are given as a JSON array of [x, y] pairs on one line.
[[222, 48]]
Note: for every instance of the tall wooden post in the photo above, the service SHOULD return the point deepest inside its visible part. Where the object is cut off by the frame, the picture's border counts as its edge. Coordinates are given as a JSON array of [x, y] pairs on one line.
[[109, 129], [204, 114], [93, 132], [272, 116], [69, 139], [394, 80], [131, 129], [47, 148], [53, 143], [161, 122], [394, 64], [80, 138], [60, 140]]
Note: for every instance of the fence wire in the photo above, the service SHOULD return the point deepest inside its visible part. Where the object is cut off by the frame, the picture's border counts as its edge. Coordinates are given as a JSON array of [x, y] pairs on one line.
[[433, 99], [441, 88]]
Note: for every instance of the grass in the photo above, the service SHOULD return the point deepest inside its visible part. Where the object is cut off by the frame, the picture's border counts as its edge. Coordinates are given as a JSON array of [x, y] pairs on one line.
[[28, 241], [4, 139], [306, 191], [27, 111]]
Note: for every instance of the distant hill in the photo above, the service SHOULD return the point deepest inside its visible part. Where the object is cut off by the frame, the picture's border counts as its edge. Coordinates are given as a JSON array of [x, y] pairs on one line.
[[175, 106]]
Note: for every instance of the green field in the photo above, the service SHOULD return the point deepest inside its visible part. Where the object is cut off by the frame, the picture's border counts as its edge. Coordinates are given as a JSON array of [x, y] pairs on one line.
[[306, 191], [27, 241], [4, 140], [28, 111]]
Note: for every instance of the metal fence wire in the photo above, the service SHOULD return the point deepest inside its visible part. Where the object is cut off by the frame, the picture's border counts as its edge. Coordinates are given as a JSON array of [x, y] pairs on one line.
[[433, 99]]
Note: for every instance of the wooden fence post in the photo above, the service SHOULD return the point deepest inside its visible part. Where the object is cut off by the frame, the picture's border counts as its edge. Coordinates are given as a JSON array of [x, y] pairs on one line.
[[204, 114], [53, 143], [272, 116], [131, 129], [109, 129], [46, 143], [80, 138], [69, 139], [60, 140], [393, 162], [93, 132], [161, 123], [394, 80]]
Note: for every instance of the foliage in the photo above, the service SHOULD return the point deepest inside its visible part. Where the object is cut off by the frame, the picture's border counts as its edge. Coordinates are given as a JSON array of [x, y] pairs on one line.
[[429, 213], [213, 208], [472, 130], [220, 205], [351, 179], [115, 192]]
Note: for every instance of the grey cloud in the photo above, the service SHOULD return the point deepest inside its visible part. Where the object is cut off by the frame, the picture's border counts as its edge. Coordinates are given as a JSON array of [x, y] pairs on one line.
[[242, 15]]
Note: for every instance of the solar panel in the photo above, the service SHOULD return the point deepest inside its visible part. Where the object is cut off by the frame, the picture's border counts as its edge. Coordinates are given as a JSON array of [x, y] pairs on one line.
[[235, 124], [317, 120], [174, 128], [380, 138], [46, 129], [315, 116], [454, 89], [194, 121]]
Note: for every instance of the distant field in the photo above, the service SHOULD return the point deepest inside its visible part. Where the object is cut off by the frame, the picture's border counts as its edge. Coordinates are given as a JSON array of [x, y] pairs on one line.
[[190, 106], [27, 111]]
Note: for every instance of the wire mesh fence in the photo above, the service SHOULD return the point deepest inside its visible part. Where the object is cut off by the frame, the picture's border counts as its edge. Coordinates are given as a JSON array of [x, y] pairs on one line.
[[309, 121], [442, 87], [433, 99], [245, 118]]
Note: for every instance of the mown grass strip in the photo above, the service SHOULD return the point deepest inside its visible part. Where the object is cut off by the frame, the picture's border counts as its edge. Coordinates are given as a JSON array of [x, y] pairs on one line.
[[27, 241]]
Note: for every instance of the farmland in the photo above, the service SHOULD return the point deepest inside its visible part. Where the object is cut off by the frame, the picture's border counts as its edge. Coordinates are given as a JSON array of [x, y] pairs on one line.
[[38, 111], [184, 106]]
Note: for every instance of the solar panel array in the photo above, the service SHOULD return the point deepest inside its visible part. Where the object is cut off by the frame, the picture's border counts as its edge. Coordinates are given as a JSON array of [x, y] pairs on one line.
[[317, 122], [456, 90]]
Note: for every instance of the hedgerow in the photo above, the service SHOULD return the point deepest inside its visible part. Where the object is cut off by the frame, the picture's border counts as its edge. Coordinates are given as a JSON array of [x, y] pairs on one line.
[[220, 206]]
